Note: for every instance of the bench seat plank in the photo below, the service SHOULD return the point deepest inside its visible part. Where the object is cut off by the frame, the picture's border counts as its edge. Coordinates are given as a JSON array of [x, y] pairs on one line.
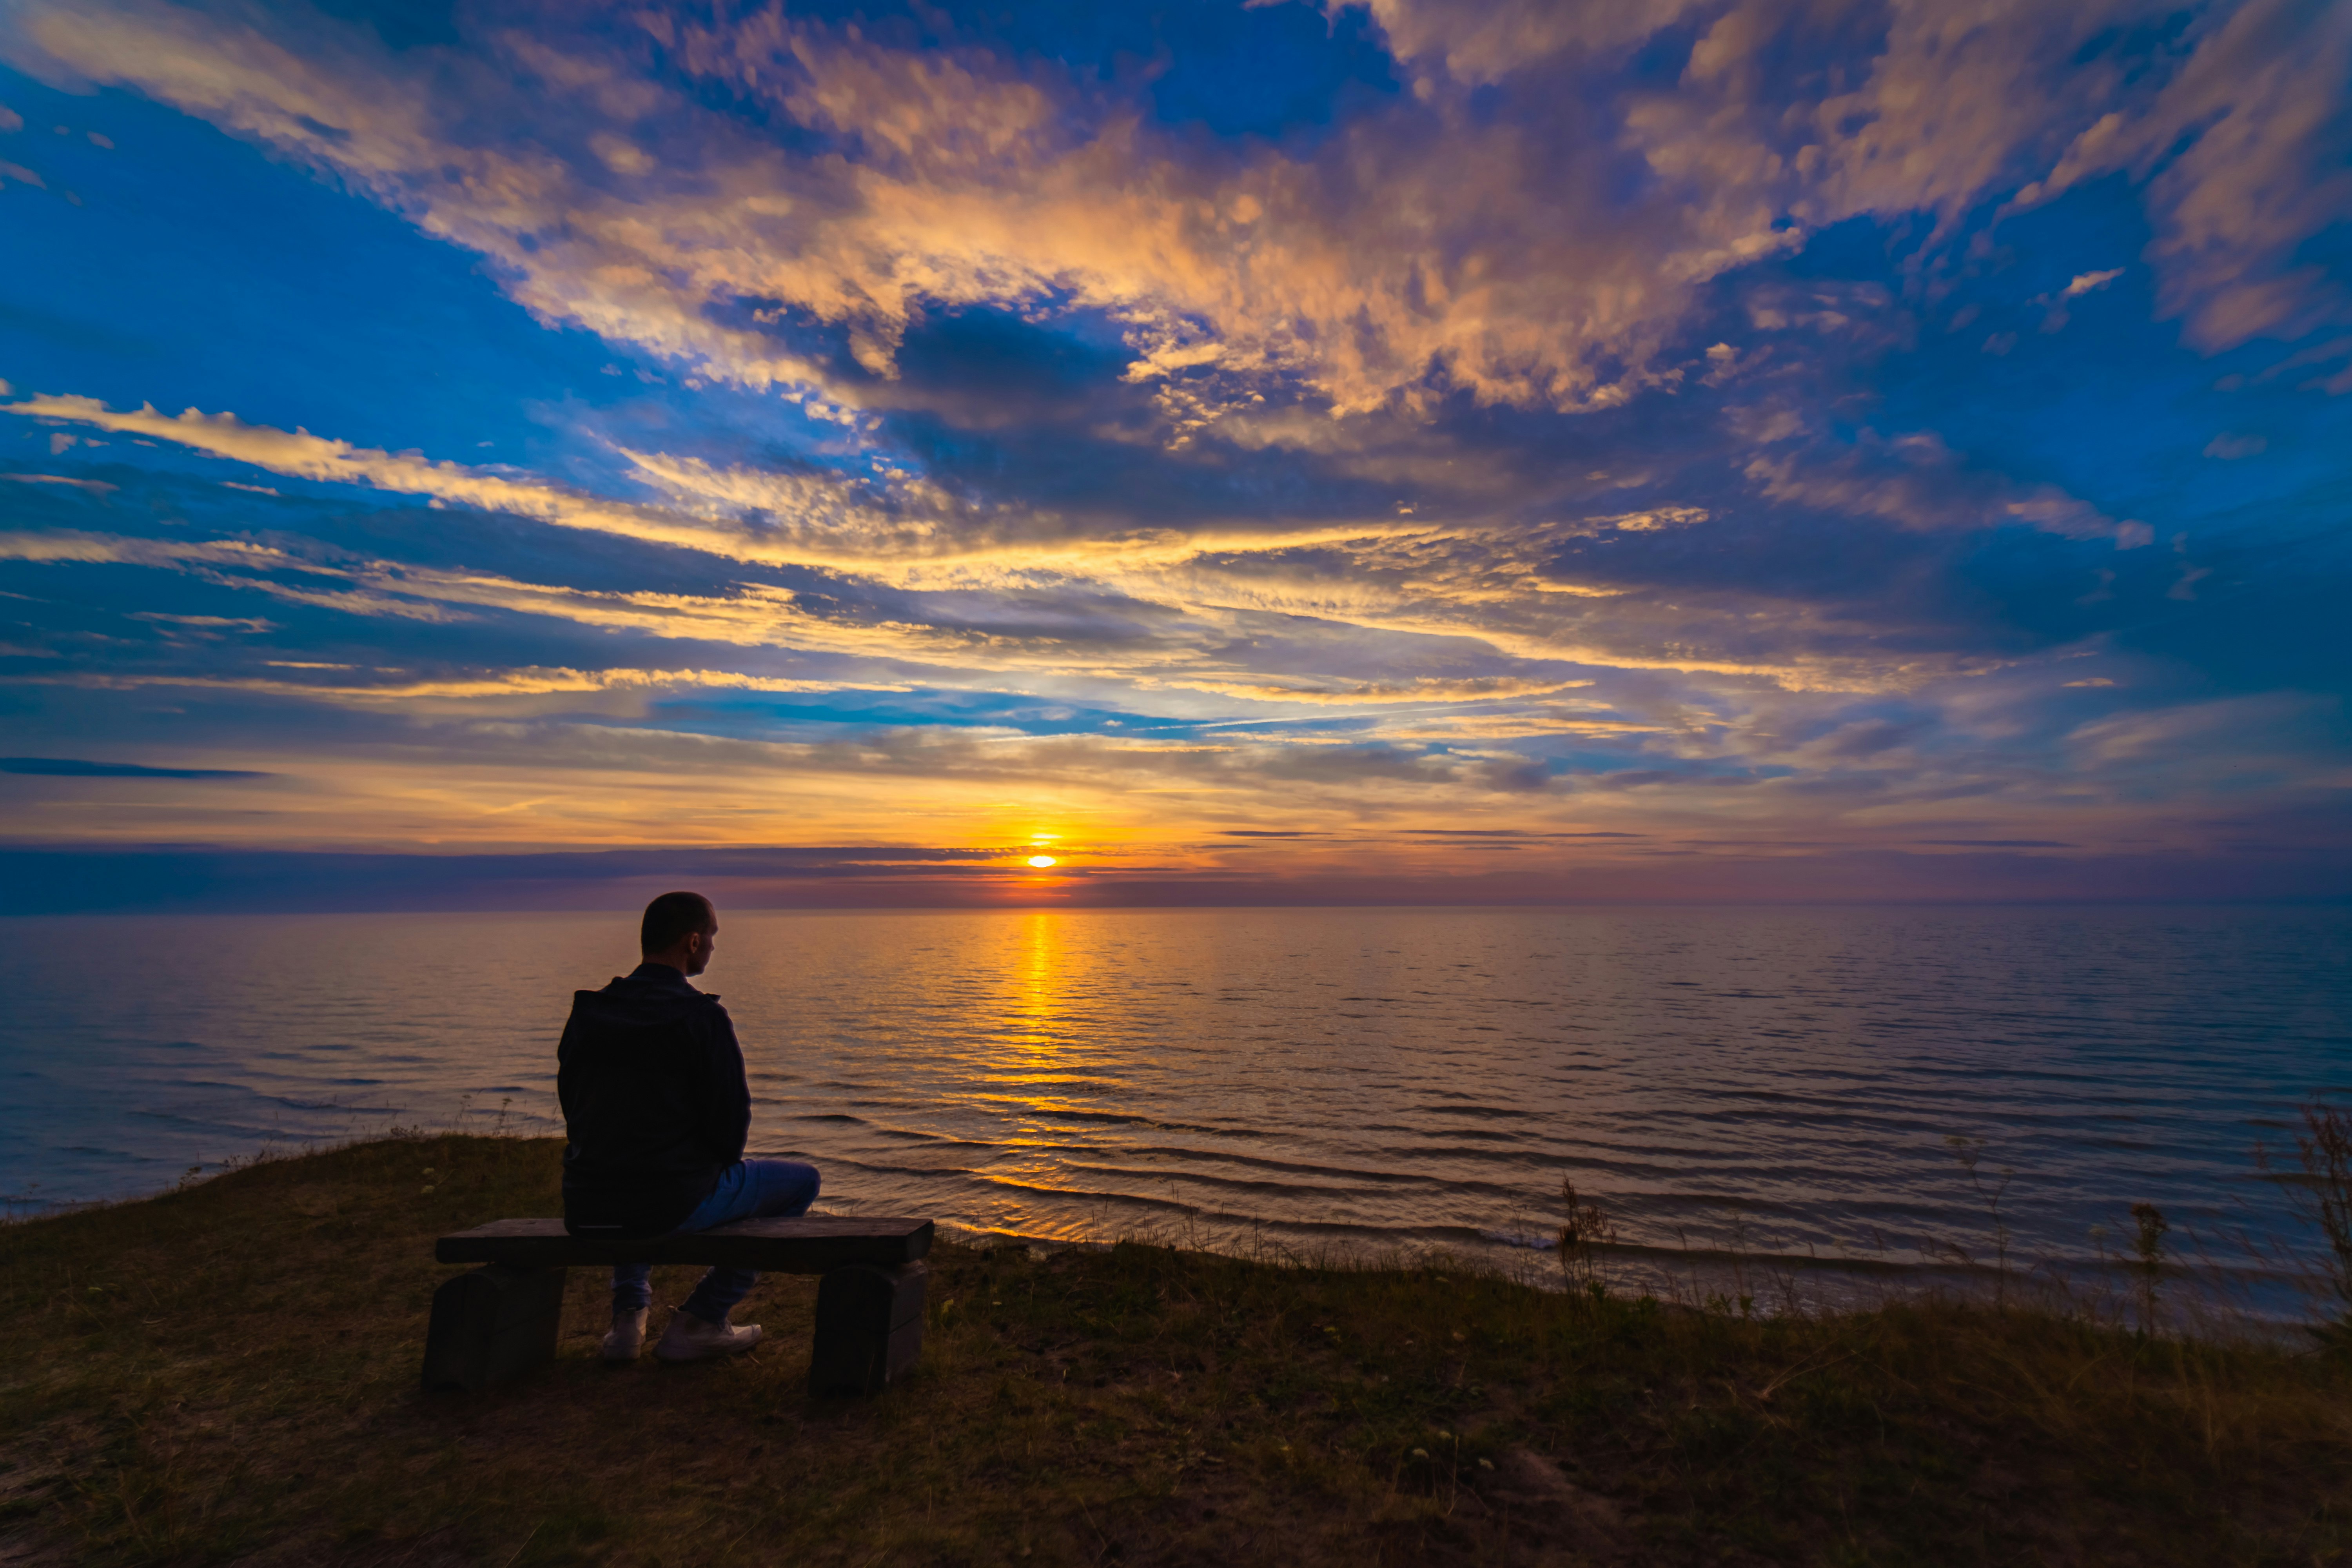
[[813, 1244]]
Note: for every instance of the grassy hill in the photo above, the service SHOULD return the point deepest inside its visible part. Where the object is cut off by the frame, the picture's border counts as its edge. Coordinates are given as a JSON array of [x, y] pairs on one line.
[[228, 1372]]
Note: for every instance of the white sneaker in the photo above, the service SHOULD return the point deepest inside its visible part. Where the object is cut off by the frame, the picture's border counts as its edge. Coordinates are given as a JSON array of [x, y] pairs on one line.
[[689, 1338], [628, 1336]]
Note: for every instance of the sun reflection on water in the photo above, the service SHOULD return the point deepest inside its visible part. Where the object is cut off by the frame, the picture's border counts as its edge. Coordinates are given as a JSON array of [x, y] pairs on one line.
[[1040, 1004], [1036, 1072]]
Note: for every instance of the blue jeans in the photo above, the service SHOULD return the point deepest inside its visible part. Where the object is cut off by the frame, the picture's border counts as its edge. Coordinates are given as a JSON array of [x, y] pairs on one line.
[[751, 1189]]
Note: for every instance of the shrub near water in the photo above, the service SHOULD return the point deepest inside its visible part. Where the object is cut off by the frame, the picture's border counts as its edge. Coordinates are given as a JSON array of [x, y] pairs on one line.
[[229, 1372]]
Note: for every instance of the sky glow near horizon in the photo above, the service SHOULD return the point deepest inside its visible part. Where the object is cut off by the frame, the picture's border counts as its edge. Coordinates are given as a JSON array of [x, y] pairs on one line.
[[1465, 451]]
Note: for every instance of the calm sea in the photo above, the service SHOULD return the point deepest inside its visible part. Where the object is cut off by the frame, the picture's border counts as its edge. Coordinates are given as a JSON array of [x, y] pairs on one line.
[[1788, 1080]]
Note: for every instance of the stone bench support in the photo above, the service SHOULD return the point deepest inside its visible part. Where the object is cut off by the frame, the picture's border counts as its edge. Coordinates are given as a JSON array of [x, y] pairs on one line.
[[501, 1320]]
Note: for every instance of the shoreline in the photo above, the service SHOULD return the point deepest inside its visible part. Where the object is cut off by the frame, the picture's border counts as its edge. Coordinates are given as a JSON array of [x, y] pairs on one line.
[[2205, 1298]]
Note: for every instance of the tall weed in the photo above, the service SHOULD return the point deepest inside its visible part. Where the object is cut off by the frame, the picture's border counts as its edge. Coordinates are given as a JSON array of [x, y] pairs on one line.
[[1587, 1227], [2324, 1199]]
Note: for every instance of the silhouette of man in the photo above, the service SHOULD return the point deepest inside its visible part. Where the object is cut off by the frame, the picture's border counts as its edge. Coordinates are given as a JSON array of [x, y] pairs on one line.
[[655, 1112]]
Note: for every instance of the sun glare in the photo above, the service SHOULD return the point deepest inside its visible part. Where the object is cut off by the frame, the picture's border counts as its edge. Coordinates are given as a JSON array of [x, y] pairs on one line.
[[1041, 861]]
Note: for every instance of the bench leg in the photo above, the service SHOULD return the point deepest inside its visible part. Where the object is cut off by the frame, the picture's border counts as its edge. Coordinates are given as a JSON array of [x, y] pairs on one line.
[[491, 1324], [869, 1327]]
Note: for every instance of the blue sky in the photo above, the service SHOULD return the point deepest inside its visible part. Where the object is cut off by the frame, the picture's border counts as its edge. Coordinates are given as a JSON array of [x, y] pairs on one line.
[[1724, 451]]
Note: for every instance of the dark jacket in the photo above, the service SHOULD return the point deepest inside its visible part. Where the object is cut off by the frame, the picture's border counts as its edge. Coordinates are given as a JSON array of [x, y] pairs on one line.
[[654, 1105]]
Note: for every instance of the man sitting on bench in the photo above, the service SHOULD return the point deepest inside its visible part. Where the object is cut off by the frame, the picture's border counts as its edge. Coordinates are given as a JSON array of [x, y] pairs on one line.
[[656, 1110]]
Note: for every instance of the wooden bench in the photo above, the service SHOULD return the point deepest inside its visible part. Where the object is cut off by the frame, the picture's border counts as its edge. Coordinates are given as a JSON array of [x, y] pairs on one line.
[[501, 1320]]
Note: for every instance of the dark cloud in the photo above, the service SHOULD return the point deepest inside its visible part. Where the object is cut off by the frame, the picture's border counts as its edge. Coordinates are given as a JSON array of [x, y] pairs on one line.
[[73, 768], [64, 881]]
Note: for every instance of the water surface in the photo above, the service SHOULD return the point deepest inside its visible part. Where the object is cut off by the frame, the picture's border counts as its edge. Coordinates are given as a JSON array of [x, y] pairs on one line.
[[1791, 1078]]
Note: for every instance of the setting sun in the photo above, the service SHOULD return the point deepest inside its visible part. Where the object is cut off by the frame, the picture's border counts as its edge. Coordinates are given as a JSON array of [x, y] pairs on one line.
[[1041, 861]]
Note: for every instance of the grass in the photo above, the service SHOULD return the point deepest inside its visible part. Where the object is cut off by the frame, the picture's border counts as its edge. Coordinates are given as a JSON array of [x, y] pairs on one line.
[[227, 1372]]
